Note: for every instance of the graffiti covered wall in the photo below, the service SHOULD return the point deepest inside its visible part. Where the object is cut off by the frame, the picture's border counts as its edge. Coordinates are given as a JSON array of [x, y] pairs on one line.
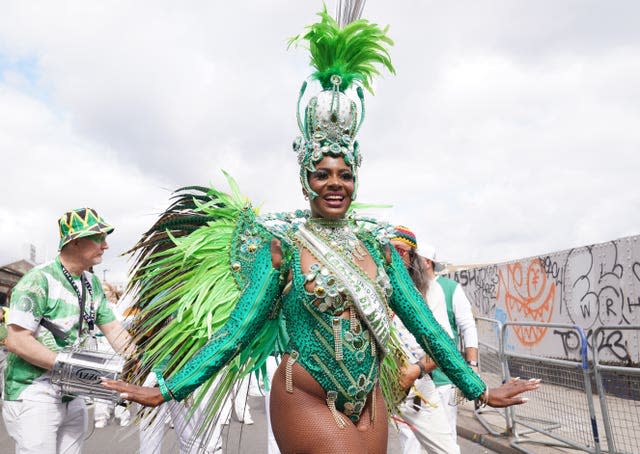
[[592, 286]]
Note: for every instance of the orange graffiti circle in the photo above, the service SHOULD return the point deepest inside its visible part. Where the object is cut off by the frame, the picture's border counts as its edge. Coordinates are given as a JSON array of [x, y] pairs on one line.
[[529, 300]]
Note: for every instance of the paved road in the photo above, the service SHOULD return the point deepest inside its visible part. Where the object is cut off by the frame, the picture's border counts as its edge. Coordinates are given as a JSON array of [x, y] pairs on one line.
[[238, 438]]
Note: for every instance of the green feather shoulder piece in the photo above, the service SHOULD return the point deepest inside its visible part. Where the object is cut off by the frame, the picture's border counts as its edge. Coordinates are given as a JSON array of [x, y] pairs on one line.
[[189, 272]]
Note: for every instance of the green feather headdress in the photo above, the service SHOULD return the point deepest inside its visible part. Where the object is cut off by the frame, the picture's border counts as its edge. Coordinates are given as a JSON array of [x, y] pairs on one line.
[[342, 56], [350, 52]]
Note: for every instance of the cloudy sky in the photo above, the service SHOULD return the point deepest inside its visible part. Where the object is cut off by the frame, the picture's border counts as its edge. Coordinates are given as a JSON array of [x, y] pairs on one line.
[[511, 128]]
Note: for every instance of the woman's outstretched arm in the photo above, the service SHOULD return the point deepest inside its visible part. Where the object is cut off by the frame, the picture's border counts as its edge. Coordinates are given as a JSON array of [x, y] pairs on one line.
[[244, 323], [408, 304]]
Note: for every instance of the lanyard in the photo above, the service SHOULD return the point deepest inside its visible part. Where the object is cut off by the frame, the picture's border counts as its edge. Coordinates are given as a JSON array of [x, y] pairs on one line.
[[89, 317]]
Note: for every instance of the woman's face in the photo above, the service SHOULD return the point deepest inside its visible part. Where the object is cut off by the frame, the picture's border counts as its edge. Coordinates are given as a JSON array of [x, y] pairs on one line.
[[333, 181]]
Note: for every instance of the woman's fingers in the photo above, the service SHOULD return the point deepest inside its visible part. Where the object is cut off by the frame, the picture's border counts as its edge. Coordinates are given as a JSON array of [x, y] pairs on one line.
[[111, 384], [516, 385], [144, 395], [509, 393], [116, 385], [119, 386], [526, 385]]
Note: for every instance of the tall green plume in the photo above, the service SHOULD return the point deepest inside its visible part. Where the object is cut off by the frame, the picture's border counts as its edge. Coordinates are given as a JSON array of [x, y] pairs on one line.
[[351, 52]]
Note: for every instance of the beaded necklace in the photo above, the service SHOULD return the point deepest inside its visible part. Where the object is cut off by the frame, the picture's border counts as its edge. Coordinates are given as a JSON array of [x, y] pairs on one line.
[[339, 235]]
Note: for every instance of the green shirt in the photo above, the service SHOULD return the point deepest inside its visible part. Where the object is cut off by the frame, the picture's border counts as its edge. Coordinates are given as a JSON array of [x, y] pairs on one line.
[[45, 293]]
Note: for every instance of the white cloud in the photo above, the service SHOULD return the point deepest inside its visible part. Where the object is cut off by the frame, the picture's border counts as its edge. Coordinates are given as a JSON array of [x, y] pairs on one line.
[[507, 132], [49, 170]]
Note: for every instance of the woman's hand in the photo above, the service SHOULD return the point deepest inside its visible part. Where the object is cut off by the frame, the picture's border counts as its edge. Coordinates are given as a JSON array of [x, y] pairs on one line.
[[509, 393], [408, 375], [144, 395]]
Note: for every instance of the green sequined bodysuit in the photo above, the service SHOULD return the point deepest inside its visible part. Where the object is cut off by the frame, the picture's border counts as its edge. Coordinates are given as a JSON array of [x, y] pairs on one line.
[[341, 354], [320, 331]]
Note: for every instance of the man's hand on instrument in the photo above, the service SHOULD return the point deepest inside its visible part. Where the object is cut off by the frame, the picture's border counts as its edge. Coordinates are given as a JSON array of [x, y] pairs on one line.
[[144, 395]]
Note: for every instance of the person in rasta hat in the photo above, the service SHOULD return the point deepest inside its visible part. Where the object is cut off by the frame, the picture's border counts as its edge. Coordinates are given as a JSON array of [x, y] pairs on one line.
[[429, 408], [45, 316]]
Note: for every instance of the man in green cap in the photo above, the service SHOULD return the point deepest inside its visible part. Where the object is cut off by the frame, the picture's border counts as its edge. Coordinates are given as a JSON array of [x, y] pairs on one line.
[[56, 305]]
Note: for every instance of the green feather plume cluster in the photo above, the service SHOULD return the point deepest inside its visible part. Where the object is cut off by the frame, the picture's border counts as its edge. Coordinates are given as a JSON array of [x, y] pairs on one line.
[[185, 291], [181, 279], [351, 52]]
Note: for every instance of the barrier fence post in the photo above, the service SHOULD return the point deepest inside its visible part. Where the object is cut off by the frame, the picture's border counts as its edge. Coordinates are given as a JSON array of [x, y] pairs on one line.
[[561, 411], [492, 372], [587, 380], [618, 389]]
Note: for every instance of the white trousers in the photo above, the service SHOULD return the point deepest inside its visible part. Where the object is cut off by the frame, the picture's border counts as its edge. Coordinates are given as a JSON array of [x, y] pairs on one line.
[[102, 412], [239, 397], [272, 445], [448, 398], [45, 427], [185, 425], [427, 427]]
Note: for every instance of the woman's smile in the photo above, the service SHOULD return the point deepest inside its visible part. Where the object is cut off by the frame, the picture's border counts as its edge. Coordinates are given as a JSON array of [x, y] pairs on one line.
[[333, 181]]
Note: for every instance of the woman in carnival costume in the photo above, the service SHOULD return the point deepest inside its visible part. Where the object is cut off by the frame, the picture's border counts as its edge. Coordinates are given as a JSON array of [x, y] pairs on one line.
[[221, 289]]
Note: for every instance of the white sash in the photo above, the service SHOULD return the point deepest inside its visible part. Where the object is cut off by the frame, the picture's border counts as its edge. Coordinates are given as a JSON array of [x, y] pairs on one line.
[[367, 296]]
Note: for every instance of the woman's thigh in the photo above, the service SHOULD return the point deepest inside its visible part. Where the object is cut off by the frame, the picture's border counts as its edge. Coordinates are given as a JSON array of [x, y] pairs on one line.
[[303, 423], [374, 425]]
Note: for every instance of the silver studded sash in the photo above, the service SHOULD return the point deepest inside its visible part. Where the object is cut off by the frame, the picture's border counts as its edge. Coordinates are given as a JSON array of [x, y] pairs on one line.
[[367, 296]]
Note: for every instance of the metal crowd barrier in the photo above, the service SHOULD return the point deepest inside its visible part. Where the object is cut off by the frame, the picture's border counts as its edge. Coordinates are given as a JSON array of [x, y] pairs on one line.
[[619, 392], [562, 412], [492, 372], [562, 409]]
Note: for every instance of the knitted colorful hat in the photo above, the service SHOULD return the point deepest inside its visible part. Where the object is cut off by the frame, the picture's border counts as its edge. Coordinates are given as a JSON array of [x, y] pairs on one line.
[[344, 53], [405, 235], [79, 223]]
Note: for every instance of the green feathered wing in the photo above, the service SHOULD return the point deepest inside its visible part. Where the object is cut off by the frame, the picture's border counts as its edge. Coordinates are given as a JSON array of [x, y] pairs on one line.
[[189, 272]]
